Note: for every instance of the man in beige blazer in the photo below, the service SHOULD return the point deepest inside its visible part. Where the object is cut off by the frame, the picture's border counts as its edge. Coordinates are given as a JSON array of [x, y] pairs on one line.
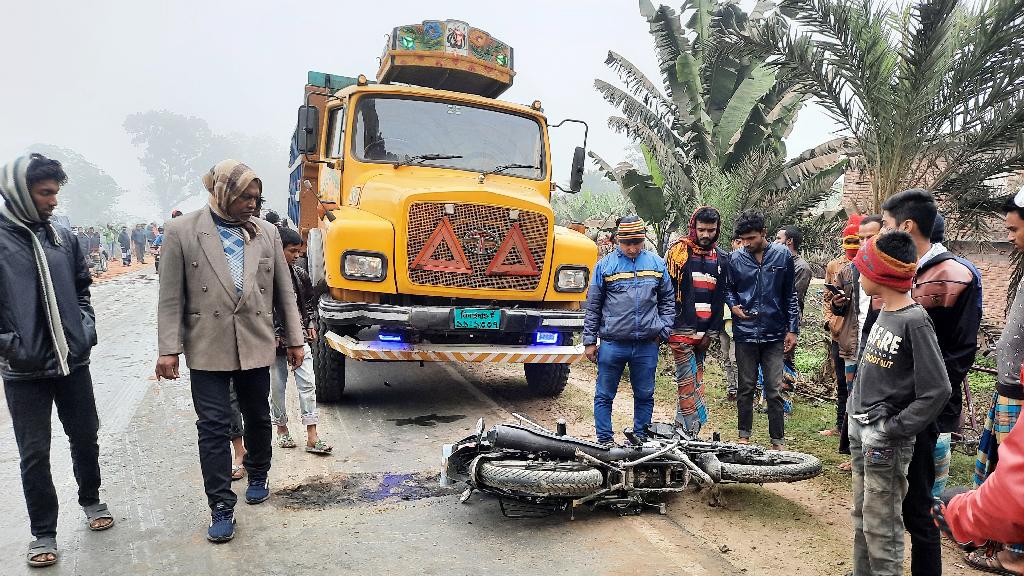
[[222, 274]]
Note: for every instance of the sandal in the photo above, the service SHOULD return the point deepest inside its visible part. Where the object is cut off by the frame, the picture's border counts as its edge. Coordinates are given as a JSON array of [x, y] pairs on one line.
[[978, 559], [41, 547], [98, 512], [829, 432], [845, 466], [237, 472], [285, 441], [320, 447]]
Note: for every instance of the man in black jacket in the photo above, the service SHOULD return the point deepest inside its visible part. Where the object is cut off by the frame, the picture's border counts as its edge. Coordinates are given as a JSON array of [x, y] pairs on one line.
[[948, 291], [47, 330]]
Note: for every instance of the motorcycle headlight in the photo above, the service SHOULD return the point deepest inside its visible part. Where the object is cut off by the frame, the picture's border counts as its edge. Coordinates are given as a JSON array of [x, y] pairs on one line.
[[365, 266], [571, 278]]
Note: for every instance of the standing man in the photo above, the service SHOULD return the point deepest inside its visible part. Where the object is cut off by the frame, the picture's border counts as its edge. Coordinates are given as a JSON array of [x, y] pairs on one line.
[[630, 307], [124, 240], [726, 342], [139, 242], [840, 312], [223, 274], [792, 238], [948, 291], [47, 331], [766, 318], [109, 235], [699, 273]]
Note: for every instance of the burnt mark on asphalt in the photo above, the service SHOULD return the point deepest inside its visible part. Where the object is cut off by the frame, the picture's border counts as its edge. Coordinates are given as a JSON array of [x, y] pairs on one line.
[[343, 490], [429, 420]]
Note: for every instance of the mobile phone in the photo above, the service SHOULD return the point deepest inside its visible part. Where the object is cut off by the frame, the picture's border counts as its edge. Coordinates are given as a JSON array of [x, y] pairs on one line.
[[833, 288]]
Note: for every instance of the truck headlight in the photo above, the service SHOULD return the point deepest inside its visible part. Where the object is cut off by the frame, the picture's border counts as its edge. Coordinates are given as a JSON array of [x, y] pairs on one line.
[[571, 278], [365, 266]]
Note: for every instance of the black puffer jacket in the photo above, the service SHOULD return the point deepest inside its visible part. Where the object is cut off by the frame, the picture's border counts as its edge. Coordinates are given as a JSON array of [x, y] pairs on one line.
[[26, 349]]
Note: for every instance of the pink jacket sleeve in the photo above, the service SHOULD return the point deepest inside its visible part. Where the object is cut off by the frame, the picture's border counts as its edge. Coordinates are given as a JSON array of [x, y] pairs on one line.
[[995, 511]]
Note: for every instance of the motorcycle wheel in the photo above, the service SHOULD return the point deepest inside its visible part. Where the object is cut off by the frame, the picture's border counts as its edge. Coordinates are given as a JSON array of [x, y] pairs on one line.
[[771, 466], [567, 479]]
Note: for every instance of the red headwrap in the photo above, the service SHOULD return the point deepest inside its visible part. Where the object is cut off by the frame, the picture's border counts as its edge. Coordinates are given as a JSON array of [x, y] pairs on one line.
[[884, 269], [850, 239]]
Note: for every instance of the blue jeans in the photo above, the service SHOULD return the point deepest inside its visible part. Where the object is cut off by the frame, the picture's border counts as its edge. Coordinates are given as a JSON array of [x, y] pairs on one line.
[[612, 358]]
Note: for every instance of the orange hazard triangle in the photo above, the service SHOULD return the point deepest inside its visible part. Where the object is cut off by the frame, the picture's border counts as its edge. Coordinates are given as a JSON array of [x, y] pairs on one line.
[[515, 239], [425, 259]]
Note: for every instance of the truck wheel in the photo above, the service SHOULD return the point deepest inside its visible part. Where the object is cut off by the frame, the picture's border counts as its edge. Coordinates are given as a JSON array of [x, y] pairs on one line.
[[546, 380], [328, 368], [315, 256]]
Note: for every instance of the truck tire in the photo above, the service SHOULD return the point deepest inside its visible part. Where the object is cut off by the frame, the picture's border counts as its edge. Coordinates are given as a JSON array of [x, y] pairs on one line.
[[567, 479], [547, 380], [771, 466], [315, 256], [328, 368]]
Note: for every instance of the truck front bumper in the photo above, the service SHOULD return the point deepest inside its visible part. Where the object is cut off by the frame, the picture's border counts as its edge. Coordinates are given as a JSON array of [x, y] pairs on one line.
[[440, 318], [373, 350]]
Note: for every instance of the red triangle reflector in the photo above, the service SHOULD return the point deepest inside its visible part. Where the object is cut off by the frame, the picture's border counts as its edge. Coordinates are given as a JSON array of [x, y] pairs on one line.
[[515, 239], [425, 259]]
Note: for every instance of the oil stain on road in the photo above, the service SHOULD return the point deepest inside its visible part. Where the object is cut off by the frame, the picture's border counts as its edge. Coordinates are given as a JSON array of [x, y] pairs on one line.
[[342, 490], [430, 420]]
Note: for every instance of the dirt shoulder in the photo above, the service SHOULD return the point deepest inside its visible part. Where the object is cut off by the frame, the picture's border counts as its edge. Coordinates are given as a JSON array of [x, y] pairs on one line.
[[801, 529]]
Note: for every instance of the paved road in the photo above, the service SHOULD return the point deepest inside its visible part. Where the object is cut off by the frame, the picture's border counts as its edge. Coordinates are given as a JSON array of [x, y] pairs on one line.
[[372, 507]]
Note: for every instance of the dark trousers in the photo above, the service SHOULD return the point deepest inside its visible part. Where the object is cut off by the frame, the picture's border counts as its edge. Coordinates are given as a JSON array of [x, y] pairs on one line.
[[925, 539], [769, 356], [842, 388], [140, 252], [212, 400], [31, 405]]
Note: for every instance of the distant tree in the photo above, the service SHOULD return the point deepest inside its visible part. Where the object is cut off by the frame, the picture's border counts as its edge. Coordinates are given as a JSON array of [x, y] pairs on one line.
[[91, 195], [177, 151], [598, 198]]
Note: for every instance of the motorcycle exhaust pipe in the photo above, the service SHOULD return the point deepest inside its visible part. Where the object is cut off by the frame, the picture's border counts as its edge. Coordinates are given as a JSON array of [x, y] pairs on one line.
[[512, 437]]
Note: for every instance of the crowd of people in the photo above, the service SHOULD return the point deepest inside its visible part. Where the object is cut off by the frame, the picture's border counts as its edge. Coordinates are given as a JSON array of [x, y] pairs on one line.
[[902, 311], [903, 314], [231, 299]]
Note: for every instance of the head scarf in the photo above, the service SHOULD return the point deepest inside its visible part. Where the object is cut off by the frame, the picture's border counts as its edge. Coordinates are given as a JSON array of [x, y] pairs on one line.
[[679, 253], [225, 182], [850, 239], [883, 268], [19, 208], [631, 228]]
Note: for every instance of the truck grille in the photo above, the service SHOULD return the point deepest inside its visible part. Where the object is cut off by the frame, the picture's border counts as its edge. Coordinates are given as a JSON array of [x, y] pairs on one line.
[[480, 230]]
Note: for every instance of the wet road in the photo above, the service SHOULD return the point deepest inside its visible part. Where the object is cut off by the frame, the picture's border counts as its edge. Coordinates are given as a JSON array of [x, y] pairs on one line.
[[373, 506]]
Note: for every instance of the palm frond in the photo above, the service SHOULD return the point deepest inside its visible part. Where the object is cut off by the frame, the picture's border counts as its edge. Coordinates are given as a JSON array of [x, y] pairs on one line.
[[637, 111]]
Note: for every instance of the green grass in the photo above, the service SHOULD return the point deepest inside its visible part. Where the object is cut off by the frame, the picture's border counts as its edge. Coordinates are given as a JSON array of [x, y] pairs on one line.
[[809, 415]]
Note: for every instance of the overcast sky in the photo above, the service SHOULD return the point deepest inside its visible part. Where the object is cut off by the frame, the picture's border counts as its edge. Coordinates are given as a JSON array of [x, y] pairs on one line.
[[75, 69]]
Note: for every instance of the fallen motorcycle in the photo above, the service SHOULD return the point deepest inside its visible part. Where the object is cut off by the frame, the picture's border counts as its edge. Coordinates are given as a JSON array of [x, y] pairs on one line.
[[535, 471]]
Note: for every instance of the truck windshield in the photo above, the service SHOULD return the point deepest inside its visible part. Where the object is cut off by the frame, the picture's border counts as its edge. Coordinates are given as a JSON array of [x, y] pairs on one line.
[[389, 129]]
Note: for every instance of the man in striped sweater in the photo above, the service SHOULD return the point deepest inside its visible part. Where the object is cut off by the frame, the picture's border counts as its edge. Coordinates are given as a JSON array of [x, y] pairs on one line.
[[698, 270]]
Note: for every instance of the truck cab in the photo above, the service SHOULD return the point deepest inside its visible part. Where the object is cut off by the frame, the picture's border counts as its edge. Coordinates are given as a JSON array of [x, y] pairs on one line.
[[426, 207]]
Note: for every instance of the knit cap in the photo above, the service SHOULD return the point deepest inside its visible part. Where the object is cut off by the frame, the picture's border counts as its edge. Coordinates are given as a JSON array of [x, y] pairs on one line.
[[883, 268], [631, 228]]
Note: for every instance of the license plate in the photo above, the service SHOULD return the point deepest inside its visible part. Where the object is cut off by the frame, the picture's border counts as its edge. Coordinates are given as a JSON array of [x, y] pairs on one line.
[[477, 318]]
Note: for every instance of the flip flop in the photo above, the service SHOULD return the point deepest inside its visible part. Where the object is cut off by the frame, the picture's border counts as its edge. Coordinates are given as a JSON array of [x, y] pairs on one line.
[[237, 472], [981, 561], [829, 432], [320, 447], [285, 441], [40, 546], [98, 512]]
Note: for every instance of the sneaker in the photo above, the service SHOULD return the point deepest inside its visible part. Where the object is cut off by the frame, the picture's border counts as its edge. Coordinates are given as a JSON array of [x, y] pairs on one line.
[[258, 490], [222, 524]]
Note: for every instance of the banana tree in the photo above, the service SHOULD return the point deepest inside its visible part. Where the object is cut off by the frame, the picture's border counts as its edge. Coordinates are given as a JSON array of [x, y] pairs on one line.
[[716, 111]]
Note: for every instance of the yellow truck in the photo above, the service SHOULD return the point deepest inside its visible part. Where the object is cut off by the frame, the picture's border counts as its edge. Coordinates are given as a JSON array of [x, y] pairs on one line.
[[426, 206]]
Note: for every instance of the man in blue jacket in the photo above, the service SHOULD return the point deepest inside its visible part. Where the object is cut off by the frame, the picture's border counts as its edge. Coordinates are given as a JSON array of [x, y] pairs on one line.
[[631, 308], [765, 315]]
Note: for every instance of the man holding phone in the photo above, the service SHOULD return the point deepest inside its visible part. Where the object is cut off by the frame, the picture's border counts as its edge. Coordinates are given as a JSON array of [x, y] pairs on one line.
[[766, 317]]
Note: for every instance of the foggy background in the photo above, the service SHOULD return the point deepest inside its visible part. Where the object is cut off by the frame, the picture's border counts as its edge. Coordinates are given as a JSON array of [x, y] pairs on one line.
[[97, 84]]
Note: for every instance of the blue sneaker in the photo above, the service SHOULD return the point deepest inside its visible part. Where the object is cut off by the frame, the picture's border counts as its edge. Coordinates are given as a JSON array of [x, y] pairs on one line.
[[259, 489], [222, 525]]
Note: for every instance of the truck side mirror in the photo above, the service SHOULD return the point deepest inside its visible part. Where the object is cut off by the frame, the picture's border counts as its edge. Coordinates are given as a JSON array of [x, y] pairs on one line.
[[576, 175], [306, 129]]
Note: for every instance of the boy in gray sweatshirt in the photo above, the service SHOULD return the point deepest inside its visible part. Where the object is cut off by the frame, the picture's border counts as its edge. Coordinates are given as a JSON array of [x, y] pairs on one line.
[[901, 387]]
